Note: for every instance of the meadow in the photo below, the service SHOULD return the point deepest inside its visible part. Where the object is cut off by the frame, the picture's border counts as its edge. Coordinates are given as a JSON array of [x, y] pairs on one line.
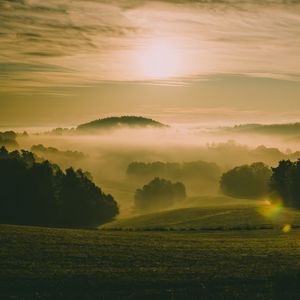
[[212, 213], [224, 263]]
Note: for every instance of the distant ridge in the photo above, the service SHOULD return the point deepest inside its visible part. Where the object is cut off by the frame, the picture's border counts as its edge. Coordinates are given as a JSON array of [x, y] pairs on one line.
[[118, 122], [275, 129]]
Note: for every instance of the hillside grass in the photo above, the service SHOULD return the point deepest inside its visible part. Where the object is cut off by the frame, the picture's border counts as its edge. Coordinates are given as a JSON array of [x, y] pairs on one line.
[[222, 217], [44, 263]]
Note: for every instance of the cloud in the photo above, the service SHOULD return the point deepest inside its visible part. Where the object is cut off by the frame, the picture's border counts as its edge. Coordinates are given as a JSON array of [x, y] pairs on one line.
[[94, 41], [194, 117]]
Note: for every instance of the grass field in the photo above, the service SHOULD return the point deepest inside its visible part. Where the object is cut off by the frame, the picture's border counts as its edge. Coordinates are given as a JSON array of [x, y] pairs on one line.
[[43, 263], [215, 217]]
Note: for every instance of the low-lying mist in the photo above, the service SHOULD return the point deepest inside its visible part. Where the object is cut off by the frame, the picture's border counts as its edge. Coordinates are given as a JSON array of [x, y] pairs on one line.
[[106, 156]]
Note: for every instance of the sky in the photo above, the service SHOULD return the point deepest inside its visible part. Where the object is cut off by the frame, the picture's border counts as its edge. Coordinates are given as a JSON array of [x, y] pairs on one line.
[[195, 62]]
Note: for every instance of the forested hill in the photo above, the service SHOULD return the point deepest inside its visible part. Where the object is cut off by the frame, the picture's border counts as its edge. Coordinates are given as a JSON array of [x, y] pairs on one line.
[[117, 122], [267, 129]]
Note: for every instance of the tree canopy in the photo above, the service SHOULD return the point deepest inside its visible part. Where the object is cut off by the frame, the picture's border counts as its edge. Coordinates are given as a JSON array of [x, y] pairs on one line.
[[8, 138], [285, 183], [159, 194], [267, 129], [40, 193], [247, 181], [52, 152], [115, 122], [198, 176]]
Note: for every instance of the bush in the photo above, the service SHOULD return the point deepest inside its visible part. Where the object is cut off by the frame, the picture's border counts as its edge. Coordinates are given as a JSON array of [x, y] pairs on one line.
[[247, 181], [159, 194], [42, 194]]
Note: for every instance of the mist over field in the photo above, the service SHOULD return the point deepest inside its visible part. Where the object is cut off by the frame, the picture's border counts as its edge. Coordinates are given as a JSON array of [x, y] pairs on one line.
[[107, 155]]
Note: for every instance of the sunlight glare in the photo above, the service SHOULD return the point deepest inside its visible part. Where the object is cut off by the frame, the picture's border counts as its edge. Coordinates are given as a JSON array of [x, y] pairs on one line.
[[272, 210], [161, 60]]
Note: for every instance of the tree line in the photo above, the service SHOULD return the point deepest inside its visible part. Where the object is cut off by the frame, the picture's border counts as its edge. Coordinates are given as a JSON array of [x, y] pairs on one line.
[[40, 193], [8, 138], [254, 181], [36, 192], [258, 181]]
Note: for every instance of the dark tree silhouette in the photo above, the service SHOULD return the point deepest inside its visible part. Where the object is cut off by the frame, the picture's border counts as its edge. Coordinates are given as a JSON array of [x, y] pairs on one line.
[[83, 202], [159, 194], [118, 122], [35, 193], [8, 138], [285, 183], [52, 153], [247, 181]]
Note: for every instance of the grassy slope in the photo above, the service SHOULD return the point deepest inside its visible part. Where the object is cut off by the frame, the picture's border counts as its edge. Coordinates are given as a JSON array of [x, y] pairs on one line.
[[40, 263], [212, 217]]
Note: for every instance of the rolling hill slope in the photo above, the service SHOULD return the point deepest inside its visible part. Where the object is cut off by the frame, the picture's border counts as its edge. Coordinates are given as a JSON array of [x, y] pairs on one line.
[[211, 218]]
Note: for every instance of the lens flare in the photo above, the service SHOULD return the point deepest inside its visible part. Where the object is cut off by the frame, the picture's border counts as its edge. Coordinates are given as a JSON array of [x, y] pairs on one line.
[[287, 228], [272, 211]]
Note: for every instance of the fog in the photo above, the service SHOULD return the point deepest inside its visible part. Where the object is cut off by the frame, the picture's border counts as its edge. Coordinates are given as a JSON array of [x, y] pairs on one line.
[[106, 156]]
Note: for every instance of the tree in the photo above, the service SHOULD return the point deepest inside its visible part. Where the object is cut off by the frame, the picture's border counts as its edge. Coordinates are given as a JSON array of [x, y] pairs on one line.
[[83, 202], [8, 138], [247, 181], [284, 183], [159, 194], [198, 176], [40, 193]]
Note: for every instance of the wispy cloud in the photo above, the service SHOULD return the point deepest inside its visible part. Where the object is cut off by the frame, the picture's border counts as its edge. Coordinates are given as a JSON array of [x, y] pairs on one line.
[[65, 43], [196, 116]]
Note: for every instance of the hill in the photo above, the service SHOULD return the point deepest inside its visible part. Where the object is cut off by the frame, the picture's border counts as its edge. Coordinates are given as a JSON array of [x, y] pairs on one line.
[[231, 216], [119, 122], [287, 129]]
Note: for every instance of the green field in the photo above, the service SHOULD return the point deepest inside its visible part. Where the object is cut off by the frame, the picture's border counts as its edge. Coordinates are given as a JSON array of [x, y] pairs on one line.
[[43, 263], [218, 217]]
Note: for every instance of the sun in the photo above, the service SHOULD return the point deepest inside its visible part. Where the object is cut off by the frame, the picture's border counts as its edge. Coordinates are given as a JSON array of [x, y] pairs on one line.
[[160, 60]]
